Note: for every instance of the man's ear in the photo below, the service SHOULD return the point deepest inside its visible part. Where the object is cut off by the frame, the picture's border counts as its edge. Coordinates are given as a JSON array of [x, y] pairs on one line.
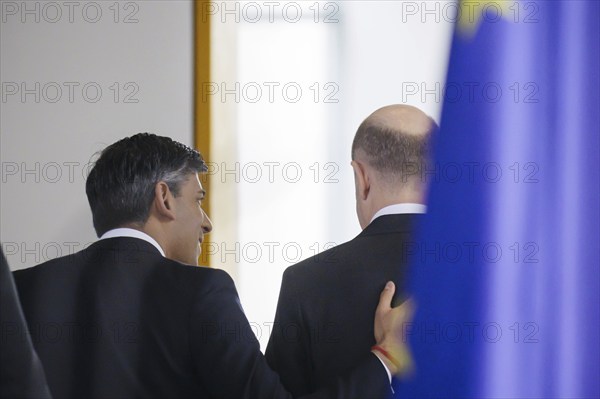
[[163, 201], [361, 180]]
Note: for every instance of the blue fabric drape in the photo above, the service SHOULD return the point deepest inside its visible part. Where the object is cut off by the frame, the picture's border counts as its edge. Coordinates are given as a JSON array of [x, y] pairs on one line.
[[506, 266]]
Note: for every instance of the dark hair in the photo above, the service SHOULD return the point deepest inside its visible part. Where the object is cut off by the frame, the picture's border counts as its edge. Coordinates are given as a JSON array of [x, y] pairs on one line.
[[120, 186], [396, 155]]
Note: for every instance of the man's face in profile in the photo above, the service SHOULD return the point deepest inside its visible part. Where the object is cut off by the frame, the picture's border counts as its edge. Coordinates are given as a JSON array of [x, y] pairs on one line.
[[191, 223]]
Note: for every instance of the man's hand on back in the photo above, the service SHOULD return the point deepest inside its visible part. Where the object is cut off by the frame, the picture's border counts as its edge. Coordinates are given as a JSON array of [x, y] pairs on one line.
[[391, 345]]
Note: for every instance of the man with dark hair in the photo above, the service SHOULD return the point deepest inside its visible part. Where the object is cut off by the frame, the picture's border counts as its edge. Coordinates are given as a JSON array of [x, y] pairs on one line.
[[327, 299], [130, 317], [147, 172]]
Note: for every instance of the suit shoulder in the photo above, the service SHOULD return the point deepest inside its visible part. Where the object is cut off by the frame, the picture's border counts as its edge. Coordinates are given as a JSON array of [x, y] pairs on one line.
[[214, 278], [331, 258], [44, 267], [319, 269], [198, 271]]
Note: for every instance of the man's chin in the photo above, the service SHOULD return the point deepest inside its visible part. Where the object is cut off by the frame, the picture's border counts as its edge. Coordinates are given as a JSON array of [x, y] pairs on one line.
[[198, 253]]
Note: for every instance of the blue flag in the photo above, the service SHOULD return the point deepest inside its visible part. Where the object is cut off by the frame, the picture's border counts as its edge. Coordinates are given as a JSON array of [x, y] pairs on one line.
[[506, 266]]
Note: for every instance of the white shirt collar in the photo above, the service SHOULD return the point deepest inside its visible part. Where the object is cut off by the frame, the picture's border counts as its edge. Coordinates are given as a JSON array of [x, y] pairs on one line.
[[400, 208], [127, 232]]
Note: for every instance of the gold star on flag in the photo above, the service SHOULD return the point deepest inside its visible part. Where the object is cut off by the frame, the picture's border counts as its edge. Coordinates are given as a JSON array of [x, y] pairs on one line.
[[472, 11]]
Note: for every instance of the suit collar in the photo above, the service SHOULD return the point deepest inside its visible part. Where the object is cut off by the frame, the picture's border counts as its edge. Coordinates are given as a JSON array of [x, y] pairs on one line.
[[395, 223], [130, 244], [405, 207], [127, 232]]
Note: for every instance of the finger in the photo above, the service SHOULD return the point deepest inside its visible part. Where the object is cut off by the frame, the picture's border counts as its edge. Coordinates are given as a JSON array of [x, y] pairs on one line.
[[385, 299]]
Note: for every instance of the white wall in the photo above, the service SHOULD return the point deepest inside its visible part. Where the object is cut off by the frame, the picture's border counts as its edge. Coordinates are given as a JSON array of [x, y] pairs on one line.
[[145, 47]]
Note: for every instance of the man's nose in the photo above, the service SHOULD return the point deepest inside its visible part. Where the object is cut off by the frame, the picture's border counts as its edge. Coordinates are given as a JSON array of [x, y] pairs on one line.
[[206, 224]]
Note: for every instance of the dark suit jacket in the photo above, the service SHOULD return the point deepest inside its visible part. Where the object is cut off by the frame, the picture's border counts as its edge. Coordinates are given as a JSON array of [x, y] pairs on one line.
[[324, 319], [21, 373], [119, 320]]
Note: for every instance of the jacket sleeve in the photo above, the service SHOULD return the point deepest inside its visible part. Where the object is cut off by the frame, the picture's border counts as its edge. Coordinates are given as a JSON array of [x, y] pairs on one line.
[[229, 362]]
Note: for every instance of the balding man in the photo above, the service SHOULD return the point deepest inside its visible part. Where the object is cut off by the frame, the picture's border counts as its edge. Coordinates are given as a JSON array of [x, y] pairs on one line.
[[324, 323]]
